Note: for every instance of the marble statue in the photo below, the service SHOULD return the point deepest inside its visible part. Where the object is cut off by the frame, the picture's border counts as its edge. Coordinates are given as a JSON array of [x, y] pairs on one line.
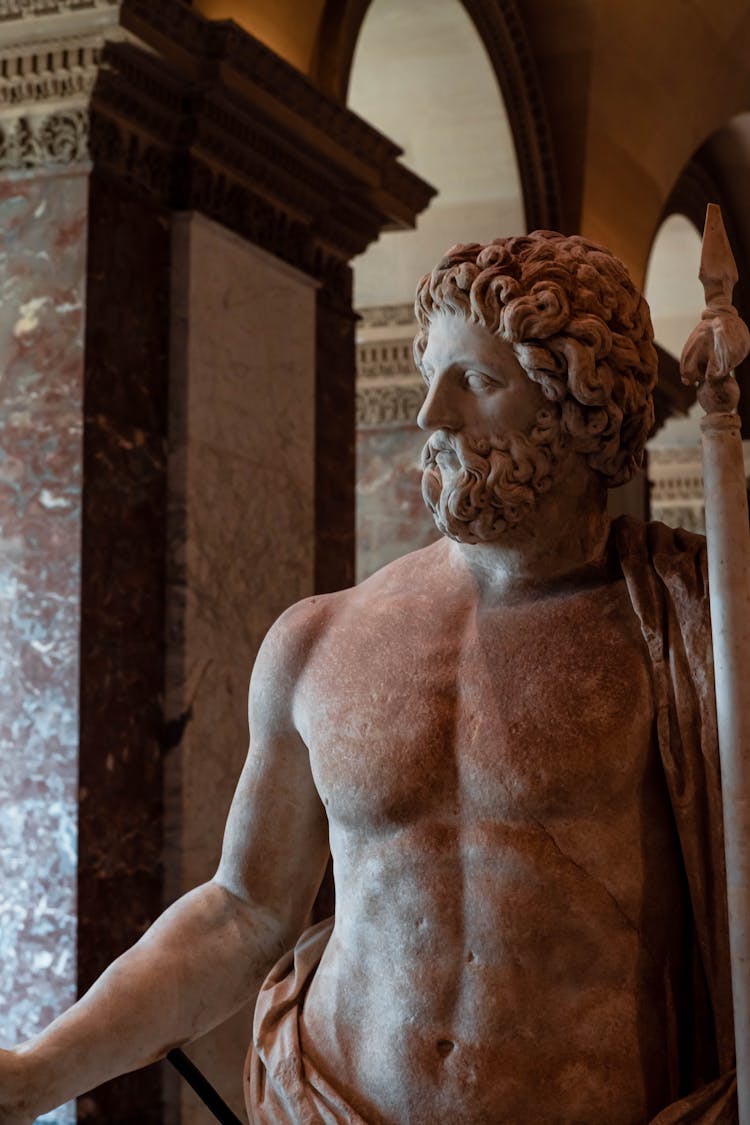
[[508, 739]]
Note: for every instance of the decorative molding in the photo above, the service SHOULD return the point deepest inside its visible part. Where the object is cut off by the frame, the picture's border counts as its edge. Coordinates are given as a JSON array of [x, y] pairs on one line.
[[201, 116], [45, 72], [675, 475], [389, 388], [502, 31], [386, 359], [387, 316], [254, 71], [50, 58], [44, 141], [207, 118], [662, 458], [28, 9], [393, 404]]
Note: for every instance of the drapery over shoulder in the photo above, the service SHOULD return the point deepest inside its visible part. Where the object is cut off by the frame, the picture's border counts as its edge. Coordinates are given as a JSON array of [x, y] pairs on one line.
[[666, 575]]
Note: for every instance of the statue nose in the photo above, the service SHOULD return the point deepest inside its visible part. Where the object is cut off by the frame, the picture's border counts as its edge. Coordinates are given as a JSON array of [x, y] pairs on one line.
[[440, 411]]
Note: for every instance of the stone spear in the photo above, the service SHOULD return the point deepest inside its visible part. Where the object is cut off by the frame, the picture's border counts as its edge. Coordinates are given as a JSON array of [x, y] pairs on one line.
[[717, 345]]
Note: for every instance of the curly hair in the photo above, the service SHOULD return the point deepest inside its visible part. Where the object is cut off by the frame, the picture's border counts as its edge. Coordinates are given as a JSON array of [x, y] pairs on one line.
[[578, 327]]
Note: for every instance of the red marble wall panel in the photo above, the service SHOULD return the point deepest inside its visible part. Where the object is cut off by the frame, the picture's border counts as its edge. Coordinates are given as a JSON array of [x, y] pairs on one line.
[[391, 516], [42, 275]]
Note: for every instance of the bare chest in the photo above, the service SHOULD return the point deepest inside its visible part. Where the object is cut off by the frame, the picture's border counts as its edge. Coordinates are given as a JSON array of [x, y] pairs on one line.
[[541, 711]]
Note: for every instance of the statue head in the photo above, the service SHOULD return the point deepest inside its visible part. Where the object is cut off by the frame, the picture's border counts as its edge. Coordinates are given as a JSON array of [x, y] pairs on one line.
[[566, 311]]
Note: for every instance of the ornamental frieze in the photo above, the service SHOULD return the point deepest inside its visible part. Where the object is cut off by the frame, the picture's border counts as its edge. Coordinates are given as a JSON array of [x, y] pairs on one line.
[[28, 9]]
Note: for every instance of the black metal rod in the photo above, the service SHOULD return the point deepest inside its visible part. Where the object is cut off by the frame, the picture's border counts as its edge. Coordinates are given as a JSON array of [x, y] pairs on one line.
[[202, 1087]]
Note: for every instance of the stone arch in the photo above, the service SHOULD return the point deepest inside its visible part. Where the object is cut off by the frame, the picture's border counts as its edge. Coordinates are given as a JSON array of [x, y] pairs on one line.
[[501, 30]]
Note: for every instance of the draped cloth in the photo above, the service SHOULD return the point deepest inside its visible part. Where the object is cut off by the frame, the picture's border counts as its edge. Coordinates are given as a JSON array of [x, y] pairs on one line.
[[666, 576], [282, 1085]]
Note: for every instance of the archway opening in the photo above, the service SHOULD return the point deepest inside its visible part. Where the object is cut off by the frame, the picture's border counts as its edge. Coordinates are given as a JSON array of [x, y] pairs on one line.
[[675, 296], [422, 76]]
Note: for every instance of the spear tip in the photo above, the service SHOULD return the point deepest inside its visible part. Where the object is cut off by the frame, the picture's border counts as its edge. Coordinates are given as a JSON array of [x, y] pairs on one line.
[[718, 270]]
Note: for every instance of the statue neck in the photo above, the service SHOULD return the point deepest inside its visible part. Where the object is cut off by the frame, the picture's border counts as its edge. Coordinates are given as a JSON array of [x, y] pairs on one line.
[[562, 545]]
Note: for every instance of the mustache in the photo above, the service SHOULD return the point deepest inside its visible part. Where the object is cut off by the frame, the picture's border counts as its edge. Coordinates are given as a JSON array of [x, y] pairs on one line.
[[470, 451], [445, 441], [496, 481], [439, 442]]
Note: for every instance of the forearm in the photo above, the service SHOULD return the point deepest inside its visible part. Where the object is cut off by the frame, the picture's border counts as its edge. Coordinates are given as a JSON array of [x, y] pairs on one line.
[[197, 965]]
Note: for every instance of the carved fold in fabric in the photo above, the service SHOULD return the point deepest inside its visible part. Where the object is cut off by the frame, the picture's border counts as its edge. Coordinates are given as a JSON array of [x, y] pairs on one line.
[[282, 1086], [665, 571], [715, 1104]]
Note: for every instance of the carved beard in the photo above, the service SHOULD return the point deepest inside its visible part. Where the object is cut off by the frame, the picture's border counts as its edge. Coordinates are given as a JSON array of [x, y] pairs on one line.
[[497, 482]]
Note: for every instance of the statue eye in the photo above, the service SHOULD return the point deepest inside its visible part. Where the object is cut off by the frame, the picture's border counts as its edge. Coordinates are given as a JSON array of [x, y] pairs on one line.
[[477, 380]]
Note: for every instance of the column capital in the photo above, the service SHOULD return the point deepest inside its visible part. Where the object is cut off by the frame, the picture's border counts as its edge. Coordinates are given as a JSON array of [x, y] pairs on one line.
[[50, 54], [204, 117]]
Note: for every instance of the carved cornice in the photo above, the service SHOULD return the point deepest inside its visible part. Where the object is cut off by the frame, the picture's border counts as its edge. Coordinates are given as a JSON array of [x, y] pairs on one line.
[[47, 72], [241, 71], [387, 359], [13, 10], [50, 57], [398, 317], [675, 474], [502, 31], [389, 388], [202, 116], [394, 404], [44, 141]]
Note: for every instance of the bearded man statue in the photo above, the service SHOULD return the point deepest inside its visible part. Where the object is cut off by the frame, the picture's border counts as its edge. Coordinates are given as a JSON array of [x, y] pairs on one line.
[[507, 740], [582, 332]]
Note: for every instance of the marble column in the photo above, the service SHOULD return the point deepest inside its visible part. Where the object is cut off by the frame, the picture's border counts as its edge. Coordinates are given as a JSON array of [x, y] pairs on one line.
[[43, 264], [179, 209], [123, 599]]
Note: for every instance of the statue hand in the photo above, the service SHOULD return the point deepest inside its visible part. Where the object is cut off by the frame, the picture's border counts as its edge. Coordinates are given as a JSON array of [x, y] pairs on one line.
[[13, 1096]]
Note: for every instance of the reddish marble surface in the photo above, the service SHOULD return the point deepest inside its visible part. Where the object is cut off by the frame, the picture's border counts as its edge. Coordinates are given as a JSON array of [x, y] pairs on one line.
[[391, 516], [42, 272]]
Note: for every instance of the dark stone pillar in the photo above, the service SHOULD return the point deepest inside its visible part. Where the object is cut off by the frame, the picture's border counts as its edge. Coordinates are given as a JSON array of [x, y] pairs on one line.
[[334, 442], [122, 606]]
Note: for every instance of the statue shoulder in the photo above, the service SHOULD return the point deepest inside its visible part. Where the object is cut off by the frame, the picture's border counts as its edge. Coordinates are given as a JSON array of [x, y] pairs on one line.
[[292, 639], [293, 635]]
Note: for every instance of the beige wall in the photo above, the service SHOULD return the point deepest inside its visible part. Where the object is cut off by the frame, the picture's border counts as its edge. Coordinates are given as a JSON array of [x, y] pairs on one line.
[[241, 538]]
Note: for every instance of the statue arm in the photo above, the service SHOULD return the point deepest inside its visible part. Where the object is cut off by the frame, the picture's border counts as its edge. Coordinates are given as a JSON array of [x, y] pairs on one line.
[[208, 953]]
